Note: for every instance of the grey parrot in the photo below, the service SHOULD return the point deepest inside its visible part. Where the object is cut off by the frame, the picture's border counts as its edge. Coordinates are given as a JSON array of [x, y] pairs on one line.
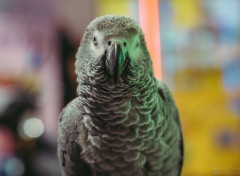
[[124, 121]]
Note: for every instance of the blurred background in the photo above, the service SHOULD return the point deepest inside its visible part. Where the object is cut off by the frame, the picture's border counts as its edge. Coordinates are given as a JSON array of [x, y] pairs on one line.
[[197, 54]]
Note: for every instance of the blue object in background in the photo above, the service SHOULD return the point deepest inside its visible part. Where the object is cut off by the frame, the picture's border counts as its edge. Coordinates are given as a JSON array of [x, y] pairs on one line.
[[227, 15], [236, 105], [34, 59], [231, 75], [167, 42]]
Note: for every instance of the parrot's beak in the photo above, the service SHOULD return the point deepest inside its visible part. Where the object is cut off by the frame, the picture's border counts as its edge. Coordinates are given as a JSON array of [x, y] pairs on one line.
[[115, 62]]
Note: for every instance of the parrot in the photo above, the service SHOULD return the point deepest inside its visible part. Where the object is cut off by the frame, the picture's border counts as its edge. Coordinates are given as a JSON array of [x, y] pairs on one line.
[[124, 121]]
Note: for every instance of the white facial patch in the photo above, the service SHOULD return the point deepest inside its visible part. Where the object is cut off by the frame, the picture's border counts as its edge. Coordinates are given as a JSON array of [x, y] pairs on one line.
[[98, 45]]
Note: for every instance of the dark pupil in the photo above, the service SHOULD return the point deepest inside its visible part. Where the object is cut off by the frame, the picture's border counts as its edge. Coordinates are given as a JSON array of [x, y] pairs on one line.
[[94, 39]]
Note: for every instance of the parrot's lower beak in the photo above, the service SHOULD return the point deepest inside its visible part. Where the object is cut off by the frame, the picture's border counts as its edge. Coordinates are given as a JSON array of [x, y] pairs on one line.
[[115, 62]]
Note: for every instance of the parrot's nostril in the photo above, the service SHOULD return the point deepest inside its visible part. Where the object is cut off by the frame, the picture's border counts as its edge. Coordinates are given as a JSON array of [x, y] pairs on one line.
[[109, 43], [124, 44]]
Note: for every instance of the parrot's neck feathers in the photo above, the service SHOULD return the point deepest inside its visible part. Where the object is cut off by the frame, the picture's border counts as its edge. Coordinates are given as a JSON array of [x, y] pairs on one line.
[[118, 107]]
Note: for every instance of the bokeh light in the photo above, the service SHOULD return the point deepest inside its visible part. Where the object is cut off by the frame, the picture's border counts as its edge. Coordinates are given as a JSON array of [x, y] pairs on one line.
[[32, 127], [14, 167]]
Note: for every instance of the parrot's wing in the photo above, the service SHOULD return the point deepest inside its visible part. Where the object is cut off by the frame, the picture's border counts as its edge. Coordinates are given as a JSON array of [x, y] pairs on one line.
[[71, 141], [171, 108]]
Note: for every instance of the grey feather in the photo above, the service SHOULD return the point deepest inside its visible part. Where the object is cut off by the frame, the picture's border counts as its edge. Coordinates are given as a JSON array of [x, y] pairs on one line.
[[115, 128]]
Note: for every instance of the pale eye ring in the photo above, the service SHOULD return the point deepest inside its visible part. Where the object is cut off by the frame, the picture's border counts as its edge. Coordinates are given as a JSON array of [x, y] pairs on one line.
[[95, 41]]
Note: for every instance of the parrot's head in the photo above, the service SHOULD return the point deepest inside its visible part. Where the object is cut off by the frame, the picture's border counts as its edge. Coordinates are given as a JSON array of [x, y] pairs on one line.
[[113, 48]]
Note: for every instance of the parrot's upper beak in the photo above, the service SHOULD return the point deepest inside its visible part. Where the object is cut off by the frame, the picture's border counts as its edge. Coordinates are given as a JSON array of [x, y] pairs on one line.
[[115, 62]]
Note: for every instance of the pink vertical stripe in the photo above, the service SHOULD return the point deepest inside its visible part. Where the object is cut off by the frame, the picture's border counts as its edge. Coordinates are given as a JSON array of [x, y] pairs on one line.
[[149, 21]]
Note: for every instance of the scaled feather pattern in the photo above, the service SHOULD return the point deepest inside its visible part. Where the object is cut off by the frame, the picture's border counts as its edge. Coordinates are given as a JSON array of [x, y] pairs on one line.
[[124, 121]]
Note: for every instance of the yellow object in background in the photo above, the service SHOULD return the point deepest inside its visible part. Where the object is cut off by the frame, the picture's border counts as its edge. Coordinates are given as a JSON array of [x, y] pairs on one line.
[[118, 7], [210, 127], [187, 13]]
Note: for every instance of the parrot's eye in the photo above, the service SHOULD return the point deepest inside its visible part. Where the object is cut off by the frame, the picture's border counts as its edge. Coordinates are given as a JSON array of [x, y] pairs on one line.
[[95, 41]]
